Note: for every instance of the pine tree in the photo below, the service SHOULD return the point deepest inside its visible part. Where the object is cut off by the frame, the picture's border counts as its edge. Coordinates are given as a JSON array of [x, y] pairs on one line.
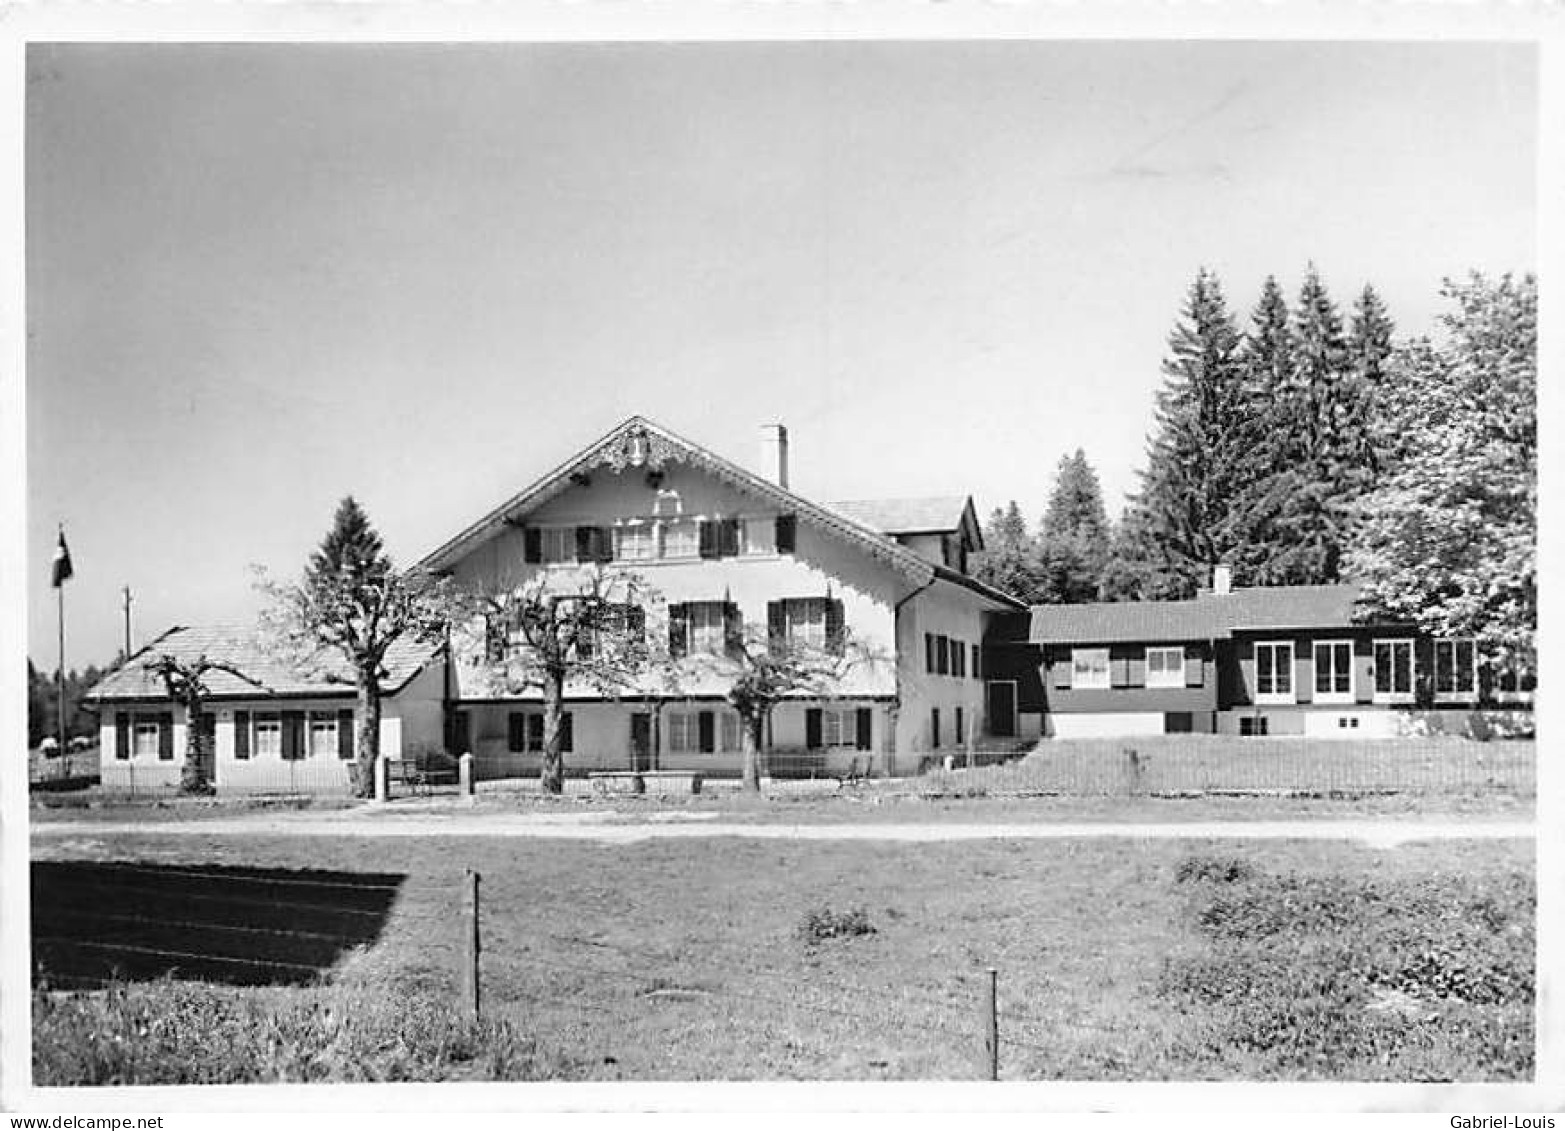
[[1326, 415], [352, 603], [1009, 561], [1074, 535], [1194, 465]]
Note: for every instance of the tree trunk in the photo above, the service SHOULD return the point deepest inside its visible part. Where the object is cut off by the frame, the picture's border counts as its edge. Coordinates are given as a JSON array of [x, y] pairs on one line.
[[367, 740], [752, 752], [552, 779], [192, 775]]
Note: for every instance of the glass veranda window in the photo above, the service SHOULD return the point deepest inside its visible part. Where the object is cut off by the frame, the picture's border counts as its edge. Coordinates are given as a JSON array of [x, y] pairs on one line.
[[1274, 669], [1089, 667], [1165, 667]]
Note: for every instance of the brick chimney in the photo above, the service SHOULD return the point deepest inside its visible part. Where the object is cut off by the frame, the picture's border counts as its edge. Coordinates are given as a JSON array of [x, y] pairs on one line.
[[1222, 579], [774, 453]]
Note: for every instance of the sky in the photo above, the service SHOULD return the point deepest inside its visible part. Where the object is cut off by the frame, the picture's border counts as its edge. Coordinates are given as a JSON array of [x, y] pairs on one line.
[[262, 277]]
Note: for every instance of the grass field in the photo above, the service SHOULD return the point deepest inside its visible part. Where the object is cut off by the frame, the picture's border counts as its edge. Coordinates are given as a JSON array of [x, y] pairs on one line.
[[1118, 959]]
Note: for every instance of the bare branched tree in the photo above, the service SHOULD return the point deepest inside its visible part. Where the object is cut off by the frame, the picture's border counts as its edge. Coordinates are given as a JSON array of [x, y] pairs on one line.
[[555, 628], [184, 681]]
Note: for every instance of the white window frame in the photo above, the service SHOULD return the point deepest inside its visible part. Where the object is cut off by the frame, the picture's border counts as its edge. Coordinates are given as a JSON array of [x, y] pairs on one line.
[[800, 616], [706, 630], [267, 737], [140, 727], [682, 734], [635, 541], [1395, 696], [1332, 696], [1276, 648], [680, 540], [320, 722], [1168, 676], [557, 545], [760, 536], [1084, 669], [1455, 694], [840, 727]]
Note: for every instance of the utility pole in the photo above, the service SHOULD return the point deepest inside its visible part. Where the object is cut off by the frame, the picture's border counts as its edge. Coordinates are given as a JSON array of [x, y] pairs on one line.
[[125, 589]]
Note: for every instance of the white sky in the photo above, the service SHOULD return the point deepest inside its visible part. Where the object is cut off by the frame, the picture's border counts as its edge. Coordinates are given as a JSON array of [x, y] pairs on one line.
[[262, 277]]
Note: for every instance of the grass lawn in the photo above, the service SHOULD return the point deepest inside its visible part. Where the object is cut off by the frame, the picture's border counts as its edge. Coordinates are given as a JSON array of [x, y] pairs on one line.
[[1118, 959]]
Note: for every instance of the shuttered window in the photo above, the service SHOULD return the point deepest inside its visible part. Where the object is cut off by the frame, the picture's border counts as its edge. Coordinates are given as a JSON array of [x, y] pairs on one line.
[[242, 735]]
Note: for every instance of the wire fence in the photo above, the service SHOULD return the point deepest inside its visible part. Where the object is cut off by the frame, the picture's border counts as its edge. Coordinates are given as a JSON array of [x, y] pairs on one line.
[[100, 925], [1206, 764]]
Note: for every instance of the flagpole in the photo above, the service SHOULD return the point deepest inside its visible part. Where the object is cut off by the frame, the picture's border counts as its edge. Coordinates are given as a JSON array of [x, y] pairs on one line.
[[60, 682]]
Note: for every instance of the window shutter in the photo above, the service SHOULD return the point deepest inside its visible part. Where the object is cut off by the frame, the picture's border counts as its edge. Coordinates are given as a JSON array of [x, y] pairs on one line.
[[812, 728], [603, 544], [707, 538], [1195, 676], [241, 734], [584, 543], [1062, 673], [776, 625], [567, 733], [865, 727], [635, 623], [678, 630], [706, 724], [834, 635], [733, 631], [533, 739], [929, 652], [532, 545], [121, 735], [728, 538], [1119, 671], [166, 735], [934, 728], [515, 732], [976, 671], [1136, 670], [345, 733], [787, 533], [293, 731]]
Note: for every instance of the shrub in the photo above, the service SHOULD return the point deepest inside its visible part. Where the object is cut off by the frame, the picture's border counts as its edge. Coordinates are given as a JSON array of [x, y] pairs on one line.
[[1214, 869], [824, 923]]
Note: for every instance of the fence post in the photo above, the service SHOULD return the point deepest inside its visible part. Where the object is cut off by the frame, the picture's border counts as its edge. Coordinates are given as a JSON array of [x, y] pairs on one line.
[[382, 780], [470, 987], [989, 1027], [464, 774]]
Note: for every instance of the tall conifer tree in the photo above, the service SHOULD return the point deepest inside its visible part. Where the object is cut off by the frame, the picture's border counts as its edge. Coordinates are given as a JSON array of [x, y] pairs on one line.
[[1074, 536], [1194, 467]]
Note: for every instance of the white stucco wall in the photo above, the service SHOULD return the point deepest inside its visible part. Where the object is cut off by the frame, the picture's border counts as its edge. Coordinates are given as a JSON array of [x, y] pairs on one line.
[[944, 609]]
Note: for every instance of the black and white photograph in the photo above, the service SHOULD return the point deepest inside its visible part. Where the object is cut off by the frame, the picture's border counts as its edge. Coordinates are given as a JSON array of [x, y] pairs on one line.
[[593, 562]]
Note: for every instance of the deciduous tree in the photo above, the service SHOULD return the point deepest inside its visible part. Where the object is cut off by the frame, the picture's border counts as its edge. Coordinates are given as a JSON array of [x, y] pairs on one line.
[[184, 681], [557, 628], [1448, 539]]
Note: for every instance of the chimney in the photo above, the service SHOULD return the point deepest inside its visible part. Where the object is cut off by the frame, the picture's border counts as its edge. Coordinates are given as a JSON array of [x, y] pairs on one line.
[[1222, 579], [774, 453]]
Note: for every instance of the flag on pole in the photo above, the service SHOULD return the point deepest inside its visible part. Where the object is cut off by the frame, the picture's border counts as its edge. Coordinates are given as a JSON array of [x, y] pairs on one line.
[[62, 562]]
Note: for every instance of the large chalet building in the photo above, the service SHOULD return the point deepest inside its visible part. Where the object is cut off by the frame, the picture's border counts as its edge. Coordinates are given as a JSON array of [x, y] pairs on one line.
[[722, 548]]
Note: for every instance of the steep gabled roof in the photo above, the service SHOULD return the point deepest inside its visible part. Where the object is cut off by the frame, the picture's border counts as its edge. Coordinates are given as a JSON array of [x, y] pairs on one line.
[[1207, 616], [940, 514], [640, 442], [238, 646]]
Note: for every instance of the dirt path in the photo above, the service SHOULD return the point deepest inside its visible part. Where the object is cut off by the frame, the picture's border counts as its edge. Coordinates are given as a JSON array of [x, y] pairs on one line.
[[610, 827]]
